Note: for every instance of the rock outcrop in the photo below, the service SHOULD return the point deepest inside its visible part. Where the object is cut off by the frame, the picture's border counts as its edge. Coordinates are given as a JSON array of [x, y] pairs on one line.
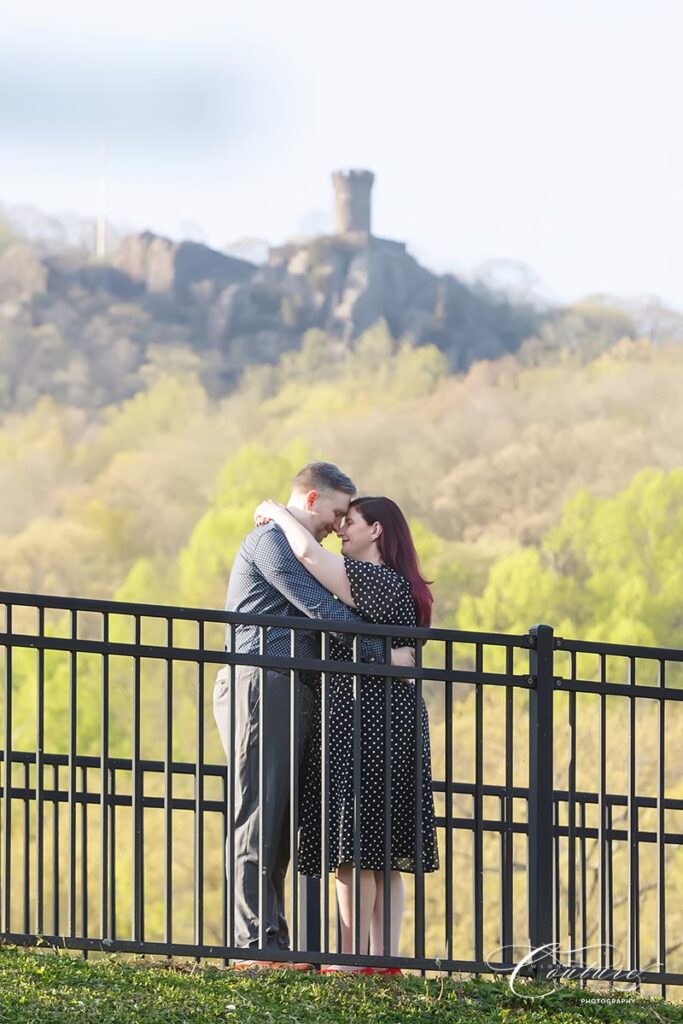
[[105, 318], [188, 270]]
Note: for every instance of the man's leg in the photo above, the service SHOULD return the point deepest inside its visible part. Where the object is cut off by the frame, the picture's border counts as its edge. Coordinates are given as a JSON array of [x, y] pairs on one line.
[[305, 698], [273, 817], [244, 882], [278, 878]]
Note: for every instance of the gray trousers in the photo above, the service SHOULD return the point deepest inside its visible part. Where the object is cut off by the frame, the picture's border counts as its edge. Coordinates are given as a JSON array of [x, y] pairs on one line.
[[274, 816]]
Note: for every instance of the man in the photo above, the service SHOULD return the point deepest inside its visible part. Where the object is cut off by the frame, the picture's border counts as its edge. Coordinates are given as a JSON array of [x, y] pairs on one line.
[[267, 579]]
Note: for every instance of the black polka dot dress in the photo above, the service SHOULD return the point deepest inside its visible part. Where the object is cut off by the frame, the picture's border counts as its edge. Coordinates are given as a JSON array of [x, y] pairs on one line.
[[380, 595]]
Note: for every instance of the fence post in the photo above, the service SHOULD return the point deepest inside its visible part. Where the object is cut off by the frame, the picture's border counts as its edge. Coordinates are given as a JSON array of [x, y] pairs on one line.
[[540, 859]]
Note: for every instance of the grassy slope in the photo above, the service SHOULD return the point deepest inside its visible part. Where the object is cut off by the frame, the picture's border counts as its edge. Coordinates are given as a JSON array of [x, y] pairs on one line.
[[37, 988]]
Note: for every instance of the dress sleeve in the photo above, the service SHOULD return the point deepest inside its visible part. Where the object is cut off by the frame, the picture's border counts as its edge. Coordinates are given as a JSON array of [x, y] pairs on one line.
[[379, 593]]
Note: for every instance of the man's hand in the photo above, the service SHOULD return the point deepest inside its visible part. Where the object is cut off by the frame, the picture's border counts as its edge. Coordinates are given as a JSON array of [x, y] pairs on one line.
[[403, 657]]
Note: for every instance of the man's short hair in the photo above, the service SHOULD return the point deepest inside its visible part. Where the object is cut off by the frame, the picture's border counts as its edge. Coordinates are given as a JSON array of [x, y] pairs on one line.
[[322, 476]]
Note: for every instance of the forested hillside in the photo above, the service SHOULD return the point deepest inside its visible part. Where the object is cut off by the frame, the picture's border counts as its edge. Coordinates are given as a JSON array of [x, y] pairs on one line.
[[501, 471]]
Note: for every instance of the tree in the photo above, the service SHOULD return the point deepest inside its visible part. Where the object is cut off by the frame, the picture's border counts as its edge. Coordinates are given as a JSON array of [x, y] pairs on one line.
[[612, 570], [579, 332]]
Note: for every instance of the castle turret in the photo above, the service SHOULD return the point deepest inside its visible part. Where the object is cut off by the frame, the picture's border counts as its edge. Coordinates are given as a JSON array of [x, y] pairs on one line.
[[352, 201]]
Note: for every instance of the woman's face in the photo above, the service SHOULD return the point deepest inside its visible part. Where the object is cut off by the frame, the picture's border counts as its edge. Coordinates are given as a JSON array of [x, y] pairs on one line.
[[356, 536]]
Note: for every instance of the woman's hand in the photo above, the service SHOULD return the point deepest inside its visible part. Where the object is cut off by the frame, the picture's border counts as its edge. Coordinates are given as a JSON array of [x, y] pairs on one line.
[[403, 657], [268, 511]]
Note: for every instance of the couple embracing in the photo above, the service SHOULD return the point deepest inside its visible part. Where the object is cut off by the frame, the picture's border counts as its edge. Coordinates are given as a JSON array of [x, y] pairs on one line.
[[282, 569]]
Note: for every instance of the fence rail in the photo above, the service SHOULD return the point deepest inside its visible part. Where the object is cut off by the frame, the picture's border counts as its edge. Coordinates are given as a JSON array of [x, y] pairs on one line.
[[557, 811]]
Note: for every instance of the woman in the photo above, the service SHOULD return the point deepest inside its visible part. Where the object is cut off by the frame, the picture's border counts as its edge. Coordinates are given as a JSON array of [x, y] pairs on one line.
[[378, 575]]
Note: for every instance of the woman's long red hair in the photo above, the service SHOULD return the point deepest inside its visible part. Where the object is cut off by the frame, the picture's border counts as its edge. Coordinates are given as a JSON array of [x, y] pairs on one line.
[[397, 549]]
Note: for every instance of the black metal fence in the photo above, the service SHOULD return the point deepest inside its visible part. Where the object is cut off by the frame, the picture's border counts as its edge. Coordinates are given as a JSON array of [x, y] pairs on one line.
[[558, 788]]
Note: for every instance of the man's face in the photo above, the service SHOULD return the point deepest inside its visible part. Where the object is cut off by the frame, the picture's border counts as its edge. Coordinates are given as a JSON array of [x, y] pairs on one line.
[[328, 509]]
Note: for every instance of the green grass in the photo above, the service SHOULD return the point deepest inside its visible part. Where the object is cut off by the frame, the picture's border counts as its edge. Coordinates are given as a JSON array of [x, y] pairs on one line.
[[51, 987]]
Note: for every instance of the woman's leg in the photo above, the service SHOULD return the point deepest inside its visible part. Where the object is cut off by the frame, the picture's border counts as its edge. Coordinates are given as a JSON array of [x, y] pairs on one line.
[[397, 907], [345, 893]]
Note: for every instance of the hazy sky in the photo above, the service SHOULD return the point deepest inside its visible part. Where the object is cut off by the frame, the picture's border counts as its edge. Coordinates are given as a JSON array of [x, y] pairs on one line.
[[540, 131]]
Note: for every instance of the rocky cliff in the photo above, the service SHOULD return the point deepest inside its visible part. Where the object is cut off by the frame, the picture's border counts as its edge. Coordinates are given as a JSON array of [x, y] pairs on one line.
[[82, 330]]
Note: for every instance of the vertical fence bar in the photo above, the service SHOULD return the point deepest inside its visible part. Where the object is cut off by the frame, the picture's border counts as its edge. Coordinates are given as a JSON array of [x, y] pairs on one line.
[[262, 879], [104, 785], [227, 803], [571, 813], [386, 875], [55, 851], [478, 813], [610, 883], [168, 788], [632, 830], [501, 859], [419, 860], [27, 850], [40, 777], [448, 718], [294, 712], [507, 815], [230, 815], [7, 780], [225, 919], [73, 727], [540, 858], [137, 837], [84, 855], [584, 885], [557, 876], [112, 854], [661, 833], [357, 822], [602, 816], [7, 788], [325, 796], [199, 799]]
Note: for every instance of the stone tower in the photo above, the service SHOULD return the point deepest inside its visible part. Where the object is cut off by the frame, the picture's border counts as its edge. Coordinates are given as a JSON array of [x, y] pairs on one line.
[[352, 201]]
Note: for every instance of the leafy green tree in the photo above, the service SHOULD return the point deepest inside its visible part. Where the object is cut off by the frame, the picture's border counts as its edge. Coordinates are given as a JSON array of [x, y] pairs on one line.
[[611, 570], [250, 475]]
